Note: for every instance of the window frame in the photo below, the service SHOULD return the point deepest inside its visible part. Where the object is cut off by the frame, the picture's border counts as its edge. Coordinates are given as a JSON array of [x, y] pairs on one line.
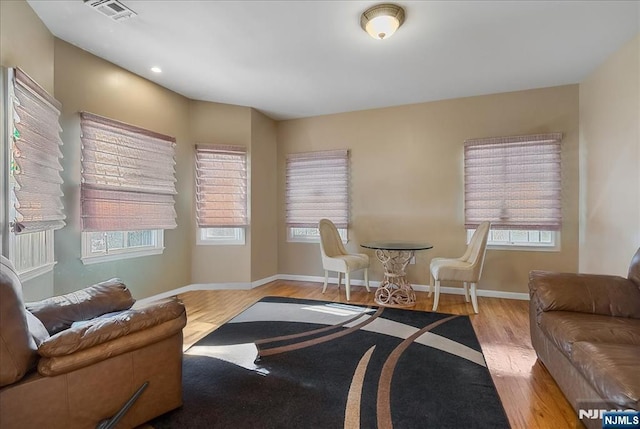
[[520, 246], [238, 240], [313, 238], [88, 257], [33, 271]]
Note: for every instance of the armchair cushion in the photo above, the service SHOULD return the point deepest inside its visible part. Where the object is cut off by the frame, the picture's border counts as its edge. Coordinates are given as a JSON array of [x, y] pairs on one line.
[[585, 293], [59, 312], [104, 329]]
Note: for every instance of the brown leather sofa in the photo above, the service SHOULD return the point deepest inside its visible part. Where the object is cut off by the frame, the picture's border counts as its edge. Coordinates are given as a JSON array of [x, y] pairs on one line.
[[72, 366], [586, 331]]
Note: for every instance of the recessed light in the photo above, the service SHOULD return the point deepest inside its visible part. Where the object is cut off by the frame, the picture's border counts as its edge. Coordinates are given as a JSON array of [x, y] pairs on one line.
[[156, 69]]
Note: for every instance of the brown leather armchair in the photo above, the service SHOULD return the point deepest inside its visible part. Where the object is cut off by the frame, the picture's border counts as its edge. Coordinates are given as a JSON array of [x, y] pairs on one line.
[[64, 363]]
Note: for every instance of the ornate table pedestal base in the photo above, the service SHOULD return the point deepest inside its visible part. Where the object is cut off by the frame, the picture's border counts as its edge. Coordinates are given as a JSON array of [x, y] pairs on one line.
[[395, 290]]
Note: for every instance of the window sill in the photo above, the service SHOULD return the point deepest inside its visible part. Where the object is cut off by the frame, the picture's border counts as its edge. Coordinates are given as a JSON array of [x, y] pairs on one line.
[[89, 260], [35, 272]]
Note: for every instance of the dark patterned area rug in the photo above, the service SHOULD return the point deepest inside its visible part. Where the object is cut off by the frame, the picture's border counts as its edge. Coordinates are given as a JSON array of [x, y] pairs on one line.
[[290, 363]]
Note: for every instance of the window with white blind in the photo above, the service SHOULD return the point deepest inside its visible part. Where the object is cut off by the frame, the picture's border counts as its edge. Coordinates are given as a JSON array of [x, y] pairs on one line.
[[34, 173], [221, 194], [317, 187], [515, 183], [127, 190]]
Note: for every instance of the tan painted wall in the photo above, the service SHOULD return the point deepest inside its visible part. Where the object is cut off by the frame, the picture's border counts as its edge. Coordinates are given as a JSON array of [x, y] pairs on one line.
[[215, 123], [264, 191], [610, 163], [407, 177], [25, 42], [85, 82]]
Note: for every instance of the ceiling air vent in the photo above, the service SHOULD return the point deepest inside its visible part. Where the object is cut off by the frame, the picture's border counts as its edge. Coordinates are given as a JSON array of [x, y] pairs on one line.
[[111, 8]]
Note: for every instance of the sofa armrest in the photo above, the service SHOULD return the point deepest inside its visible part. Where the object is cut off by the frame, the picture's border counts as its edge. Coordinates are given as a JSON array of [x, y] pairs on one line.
[[584, 293], [105, 329]]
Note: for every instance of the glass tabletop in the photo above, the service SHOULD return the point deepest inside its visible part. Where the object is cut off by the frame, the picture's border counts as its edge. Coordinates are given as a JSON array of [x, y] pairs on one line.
[[397, 245]]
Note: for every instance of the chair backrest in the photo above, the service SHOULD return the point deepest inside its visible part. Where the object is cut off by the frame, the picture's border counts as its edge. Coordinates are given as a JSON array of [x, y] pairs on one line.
[[17, 347], [634, 269], [330, 241], [477, 248]]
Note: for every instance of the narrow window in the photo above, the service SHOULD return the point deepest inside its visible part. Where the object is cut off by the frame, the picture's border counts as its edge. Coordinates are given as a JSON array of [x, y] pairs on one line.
[[515, 183], [317, 187], [34, 174], [221, 194]]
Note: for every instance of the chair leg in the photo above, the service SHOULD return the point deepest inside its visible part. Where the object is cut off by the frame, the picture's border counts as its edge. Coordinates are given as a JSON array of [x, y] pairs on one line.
[[366, 279], [474, 298], [347, 284], [339, 280], [430, 289], [466, 291], [437, 297], [326, 280]]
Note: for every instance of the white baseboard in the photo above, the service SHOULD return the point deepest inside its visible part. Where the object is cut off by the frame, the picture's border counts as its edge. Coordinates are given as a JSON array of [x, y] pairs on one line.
[[320, 279], [421, 288]]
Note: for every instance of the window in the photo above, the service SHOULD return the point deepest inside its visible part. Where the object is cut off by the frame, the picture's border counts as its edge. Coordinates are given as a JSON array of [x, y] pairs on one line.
[[312, 235], [127, 190], [32, 254], [220, 236], [515, 183], [504, 238], [114, 245], [33, 171], [317, 187], [221, 194]]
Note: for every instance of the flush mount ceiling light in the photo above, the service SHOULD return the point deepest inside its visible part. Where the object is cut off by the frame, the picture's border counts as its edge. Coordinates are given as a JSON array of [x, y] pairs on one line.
[[382, 21], [156, 69]]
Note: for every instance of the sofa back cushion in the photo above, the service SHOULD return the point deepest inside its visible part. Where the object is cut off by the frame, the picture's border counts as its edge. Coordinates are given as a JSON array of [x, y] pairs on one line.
[[17, 348], [59, 312], [634, 269]]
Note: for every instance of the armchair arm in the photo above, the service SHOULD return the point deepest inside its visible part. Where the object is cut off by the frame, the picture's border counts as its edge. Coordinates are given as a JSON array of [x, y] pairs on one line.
[[106, 337], [584, 293]]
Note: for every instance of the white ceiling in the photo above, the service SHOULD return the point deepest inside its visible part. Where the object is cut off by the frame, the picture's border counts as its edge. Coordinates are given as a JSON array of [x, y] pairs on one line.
[[292, 59]]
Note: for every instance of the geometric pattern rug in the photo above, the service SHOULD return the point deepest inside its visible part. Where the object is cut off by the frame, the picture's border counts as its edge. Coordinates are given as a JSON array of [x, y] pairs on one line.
[[292, 363]]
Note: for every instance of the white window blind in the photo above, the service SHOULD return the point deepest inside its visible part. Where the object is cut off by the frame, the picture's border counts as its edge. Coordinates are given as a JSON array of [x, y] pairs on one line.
[[35, 157], [514, 182], [317, 187], [221, 186], [128, 177]]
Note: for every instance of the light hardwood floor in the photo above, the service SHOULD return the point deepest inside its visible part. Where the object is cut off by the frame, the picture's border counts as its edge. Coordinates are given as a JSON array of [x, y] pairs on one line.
[[530, 396]]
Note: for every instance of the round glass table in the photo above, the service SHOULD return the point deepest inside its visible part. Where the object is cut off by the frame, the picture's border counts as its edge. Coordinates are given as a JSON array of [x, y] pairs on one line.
[[395, 290]]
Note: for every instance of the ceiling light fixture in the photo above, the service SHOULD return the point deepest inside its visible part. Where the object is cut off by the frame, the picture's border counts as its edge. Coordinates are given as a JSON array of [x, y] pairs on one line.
[[156, 69], [382, 21]]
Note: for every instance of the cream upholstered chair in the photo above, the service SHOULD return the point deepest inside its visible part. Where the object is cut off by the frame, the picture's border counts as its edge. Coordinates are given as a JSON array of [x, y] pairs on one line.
[[466, 269], [336, 258]]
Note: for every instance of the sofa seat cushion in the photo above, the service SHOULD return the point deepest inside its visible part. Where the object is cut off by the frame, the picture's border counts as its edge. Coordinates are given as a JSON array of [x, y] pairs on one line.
[[613, 370], [565, 328]]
